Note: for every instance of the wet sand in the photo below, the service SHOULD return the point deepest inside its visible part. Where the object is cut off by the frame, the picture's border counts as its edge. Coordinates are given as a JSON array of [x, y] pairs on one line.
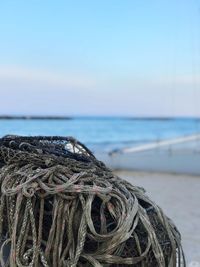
[[179, 197]]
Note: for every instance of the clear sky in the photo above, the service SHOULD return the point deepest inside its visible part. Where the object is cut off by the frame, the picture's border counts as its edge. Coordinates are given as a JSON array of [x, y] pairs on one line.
[[127, 58]]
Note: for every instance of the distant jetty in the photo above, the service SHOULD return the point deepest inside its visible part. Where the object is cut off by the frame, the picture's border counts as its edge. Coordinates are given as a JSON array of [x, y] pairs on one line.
[[34, 118]]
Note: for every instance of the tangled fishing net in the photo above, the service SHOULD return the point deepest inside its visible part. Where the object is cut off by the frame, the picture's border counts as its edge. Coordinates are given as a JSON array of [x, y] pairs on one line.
[[60, 206]]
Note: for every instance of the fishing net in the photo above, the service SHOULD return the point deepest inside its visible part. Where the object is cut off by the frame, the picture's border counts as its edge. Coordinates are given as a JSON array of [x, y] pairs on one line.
[[60, 206]]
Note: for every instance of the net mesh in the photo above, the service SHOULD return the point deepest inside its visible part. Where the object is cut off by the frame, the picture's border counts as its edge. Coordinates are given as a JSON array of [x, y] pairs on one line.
[[60, 206]]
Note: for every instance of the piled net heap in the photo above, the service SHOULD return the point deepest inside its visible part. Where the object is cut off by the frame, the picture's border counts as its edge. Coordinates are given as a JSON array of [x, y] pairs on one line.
[[60, 206]]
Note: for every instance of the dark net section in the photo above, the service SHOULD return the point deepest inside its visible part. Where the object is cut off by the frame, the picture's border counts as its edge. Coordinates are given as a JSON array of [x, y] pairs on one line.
[[60, 206]]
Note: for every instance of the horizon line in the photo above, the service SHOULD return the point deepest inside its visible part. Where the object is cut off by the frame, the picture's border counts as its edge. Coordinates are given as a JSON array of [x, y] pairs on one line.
[[65, 117]]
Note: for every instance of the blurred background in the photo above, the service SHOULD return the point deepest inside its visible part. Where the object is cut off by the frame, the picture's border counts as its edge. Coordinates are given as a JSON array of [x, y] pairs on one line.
[[123, 77]]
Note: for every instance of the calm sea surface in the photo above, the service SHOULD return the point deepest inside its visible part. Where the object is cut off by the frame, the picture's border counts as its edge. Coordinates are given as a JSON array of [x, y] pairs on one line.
[[104, 133]]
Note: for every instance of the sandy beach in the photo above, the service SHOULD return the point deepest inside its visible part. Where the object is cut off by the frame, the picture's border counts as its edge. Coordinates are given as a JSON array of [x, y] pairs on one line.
[[179, 197]]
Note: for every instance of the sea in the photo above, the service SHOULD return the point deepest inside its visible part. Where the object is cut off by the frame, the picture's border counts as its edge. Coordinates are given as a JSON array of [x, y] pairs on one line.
[[104, 133]]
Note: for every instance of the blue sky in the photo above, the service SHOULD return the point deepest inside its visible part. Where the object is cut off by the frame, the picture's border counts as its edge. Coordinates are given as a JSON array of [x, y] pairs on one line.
[[131, 58]]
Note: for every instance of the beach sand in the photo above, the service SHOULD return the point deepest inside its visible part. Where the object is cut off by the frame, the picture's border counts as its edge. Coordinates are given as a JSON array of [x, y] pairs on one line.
[[179, 197]]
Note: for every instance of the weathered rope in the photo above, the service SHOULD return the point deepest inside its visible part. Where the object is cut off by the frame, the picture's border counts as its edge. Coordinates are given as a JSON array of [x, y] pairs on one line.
[[60, 206]]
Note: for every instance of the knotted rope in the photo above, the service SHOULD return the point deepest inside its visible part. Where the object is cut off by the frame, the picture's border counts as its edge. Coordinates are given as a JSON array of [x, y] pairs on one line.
[[60, 206]]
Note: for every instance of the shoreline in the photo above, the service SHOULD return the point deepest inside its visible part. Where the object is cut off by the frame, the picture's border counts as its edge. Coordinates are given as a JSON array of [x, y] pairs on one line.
[[172, 157]]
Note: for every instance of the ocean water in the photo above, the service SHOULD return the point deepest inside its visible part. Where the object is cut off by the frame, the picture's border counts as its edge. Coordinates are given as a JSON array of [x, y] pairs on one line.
[[104, 133]]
